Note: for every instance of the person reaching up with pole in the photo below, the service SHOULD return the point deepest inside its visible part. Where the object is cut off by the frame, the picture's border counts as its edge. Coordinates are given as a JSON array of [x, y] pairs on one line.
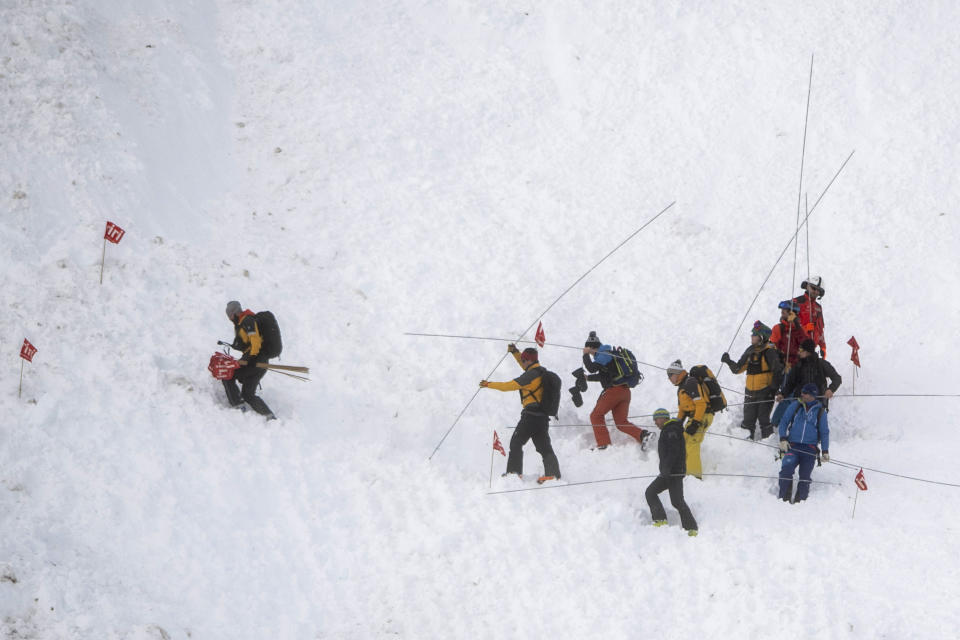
[[538, 396], [811, 313], [788, 334], [617, 372]]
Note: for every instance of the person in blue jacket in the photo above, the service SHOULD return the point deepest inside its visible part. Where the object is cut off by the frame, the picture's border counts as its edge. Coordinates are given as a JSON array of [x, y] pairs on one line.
[[802, 427]]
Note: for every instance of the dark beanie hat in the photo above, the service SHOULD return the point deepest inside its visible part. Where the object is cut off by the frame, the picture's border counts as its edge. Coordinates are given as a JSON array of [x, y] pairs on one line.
[[593, 340], [530, 355], [809, 346]]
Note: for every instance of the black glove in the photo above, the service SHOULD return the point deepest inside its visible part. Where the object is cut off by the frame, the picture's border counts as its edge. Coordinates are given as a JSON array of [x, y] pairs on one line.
[[581, 377], [726, 358], [577, 398], [692, 427]]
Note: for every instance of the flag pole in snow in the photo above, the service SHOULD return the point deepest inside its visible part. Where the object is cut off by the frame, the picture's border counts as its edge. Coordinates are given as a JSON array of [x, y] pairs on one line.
[[103, 257], [492, 450], [113, 233], [27, 352]]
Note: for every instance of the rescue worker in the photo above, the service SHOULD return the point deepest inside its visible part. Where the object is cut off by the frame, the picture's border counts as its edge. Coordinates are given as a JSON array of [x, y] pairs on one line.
[[810, 313], [788, 334], [615, 398], [248, 339], [534, 423], [673, 456], [692, 402], [811, 368], [802, 428], [761, 360]]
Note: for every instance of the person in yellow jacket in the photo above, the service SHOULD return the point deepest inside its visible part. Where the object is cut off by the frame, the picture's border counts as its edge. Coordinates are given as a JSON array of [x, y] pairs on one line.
[[249, 340], [534, 423], [761, 361], [692, 402]]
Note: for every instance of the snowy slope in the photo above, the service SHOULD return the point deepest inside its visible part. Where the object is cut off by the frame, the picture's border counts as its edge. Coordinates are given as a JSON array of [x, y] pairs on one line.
[[369, 170]]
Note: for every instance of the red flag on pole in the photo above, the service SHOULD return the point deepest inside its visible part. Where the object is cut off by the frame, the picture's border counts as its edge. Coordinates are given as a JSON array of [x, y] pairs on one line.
[[113, 233], [27, 350], [540, 337], [861, 481], [496, 444], [855, 355]]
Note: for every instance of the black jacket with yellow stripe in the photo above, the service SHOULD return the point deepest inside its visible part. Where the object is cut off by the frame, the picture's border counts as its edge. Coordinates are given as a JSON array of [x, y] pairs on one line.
[[692, 399], [529, 384], [763, 366], [248, 338]]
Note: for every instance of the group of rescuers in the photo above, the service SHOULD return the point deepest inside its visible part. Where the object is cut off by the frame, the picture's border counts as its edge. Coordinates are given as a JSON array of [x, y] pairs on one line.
[[781, 364]]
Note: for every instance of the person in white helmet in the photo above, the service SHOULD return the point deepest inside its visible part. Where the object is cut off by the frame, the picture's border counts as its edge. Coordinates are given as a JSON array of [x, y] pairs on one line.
[[810, 313]]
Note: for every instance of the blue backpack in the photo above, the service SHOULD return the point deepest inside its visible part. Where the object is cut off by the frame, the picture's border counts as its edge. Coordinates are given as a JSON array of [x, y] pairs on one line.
[[624, 368]]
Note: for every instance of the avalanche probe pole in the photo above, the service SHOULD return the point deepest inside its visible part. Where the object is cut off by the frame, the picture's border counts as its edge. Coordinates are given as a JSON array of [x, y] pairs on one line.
[[784, 251], [543, 313]]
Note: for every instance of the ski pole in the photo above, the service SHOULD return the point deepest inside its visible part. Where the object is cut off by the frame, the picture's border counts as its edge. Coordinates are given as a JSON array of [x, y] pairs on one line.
[[539, 317], [803, 153], [784, 251]]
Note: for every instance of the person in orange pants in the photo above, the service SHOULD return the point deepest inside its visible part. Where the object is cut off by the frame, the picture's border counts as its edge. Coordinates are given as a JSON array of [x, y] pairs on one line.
[[615, 397]]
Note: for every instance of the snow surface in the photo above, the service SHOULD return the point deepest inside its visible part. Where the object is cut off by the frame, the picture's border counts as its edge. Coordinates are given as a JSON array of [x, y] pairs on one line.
[[369, 169]]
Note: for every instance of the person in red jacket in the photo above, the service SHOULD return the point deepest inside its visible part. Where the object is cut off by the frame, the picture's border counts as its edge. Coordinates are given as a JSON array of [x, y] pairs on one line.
[[810, 312], [788, 334]]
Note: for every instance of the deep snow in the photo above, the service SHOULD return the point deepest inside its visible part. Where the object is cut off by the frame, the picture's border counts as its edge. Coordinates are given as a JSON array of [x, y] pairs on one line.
[[372, 169]]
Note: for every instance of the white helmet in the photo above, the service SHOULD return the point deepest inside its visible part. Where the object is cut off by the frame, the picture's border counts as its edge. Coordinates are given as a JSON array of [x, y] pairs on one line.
[[815, 281]]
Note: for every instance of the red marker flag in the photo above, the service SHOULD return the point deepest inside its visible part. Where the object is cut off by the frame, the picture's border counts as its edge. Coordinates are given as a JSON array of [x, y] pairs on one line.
[[855, 355], [861, 481], [27, 350], [113, 233], [496, 444], [540, 338]]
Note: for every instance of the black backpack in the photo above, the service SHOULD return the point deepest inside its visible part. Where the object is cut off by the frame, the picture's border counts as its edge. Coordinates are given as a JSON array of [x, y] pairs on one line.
[[270, 332], [624, 368], [550, 400], [715, 397]]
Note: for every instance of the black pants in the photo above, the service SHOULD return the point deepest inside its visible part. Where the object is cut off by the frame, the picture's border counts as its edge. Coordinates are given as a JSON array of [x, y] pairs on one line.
[[756, 408], [675, 485], [532, 427], [249, 377]]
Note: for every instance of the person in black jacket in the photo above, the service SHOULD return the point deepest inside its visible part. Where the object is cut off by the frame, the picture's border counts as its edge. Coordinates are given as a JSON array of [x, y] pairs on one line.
[[673, 467], [810, 368], [249, 340]]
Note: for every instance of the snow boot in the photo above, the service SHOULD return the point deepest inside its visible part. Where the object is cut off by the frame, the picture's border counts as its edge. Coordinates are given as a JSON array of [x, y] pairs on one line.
[[659, 523], [646, 439], [543, 479]]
